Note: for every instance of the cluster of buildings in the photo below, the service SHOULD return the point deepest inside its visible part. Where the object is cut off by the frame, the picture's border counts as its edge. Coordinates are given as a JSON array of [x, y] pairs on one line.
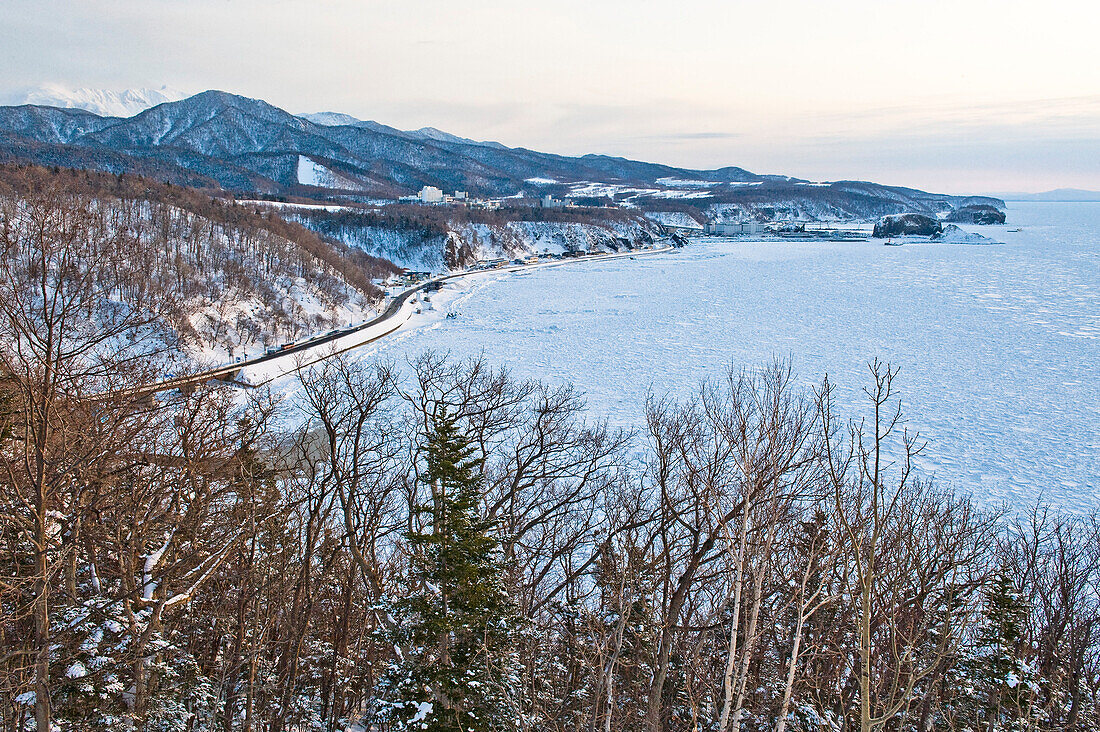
[[430, 195], [433, 196], [503, 262], [410, 277], [549, 201]]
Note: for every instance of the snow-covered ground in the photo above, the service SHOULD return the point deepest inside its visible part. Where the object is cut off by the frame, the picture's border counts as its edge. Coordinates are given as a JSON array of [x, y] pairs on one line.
[[280, 371], [240, 320], [999, 346], [286, 205]]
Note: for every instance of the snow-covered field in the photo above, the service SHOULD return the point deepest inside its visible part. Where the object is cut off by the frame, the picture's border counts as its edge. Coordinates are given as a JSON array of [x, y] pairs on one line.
[[999, 346]]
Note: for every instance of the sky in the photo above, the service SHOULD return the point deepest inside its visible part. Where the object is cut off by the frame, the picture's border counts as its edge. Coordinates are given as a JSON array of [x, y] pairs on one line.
[[966, 96]]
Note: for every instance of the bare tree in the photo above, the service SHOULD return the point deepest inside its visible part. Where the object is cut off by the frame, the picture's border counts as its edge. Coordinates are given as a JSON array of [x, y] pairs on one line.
[[913, 554], [742, 452], [66, 351]]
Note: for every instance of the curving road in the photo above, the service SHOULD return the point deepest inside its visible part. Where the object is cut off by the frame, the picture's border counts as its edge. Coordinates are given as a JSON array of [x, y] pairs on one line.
[[228, 372]]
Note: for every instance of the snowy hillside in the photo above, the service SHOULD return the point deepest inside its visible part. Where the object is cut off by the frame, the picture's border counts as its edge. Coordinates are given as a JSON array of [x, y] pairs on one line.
[[312, 173], [216, 279], [243, 289], [331, 119], [440, 244], [337, 119], [677, 219], [431, 133]]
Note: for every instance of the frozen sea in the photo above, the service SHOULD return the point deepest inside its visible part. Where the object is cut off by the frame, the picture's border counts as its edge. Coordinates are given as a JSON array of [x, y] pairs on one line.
[[998, 345]]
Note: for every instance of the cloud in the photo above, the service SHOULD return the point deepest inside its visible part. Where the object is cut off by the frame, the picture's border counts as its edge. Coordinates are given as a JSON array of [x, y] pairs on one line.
[[674, 136]]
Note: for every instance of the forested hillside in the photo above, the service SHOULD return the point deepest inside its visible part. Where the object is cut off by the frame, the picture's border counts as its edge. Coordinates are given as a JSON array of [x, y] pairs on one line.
[[440, 238], [441, 546], [214, 278]]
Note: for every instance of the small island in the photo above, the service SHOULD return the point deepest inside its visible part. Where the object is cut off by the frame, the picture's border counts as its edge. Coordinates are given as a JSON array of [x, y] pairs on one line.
[[980, 213], [909, 224]]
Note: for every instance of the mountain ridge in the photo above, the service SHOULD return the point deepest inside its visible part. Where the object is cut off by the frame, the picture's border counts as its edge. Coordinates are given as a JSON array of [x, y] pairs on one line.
[[1058, 195], [246, 145]]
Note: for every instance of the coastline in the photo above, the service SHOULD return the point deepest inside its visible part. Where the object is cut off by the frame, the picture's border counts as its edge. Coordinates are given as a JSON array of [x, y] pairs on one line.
[[396, 314]]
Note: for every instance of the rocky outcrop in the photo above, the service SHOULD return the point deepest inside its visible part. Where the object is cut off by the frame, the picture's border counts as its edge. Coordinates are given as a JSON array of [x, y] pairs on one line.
[[952, 234], [976, 214], [906, 225]]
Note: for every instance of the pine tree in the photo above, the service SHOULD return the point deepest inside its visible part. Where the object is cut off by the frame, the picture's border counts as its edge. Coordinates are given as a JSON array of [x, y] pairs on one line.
[[1004, 681], [458, 627]]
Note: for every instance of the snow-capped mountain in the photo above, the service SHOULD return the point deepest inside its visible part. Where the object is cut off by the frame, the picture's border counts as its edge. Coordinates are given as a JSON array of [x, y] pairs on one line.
[[336, 119], [339, 119], [103, 102], [331, 119], [431, 133], [224, 136]]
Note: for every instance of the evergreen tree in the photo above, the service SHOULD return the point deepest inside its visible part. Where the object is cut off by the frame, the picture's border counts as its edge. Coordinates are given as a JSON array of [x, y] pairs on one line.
[[459, 668], [1003, 680]]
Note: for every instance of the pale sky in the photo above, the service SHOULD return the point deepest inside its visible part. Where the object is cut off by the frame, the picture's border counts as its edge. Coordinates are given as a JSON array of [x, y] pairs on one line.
[[962, 96]]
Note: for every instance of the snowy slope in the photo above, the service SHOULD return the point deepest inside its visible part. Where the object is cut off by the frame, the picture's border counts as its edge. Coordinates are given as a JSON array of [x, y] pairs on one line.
[[331, 119], [431, 133], [312, 173], [677, 219]]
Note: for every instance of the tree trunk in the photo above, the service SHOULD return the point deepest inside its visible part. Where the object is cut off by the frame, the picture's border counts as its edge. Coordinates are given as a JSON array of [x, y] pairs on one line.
[[731, 651], [42, 712], [792, 664]]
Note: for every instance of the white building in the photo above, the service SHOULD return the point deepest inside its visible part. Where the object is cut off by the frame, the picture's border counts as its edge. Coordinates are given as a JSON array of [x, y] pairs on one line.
[[430, 194], [734, 228]]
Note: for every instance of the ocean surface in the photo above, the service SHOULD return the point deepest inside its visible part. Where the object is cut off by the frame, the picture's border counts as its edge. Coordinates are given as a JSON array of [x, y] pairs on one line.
[[998, 345]]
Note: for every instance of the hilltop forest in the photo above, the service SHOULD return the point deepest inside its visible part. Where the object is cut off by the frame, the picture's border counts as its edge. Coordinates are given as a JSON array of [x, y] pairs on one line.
[[207, 273]]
